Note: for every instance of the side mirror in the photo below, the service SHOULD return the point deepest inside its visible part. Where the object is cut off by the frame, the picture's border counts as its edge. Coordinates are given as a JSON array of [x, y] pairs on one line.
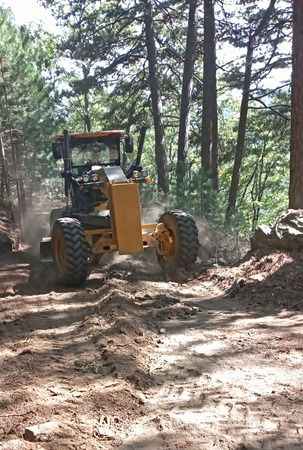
[[56, 149], [129, 144]]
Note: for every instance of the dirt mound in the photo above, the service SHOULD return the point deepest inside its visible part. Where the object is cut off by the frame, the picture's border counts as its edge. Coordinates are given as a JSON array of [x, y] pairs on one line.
[[123, 402], [117, 300], [275, 278], [121, 337]]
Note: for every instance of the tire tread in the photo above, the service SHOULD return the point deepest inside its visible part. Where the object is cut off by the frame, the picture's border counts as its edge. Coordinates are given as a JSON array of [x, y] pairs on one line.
[[76, 252]]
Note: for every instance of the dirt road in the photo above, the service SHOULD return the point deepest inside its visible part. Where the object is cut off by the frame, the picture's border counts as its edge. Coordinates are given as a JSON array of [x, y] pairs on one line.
[[132, 362]]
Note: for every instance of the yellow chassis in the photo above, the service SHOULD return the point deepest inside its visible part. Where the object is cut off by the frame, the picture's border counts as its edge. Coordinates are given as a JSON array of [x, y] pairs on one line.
[[103, 241], [127, 234]]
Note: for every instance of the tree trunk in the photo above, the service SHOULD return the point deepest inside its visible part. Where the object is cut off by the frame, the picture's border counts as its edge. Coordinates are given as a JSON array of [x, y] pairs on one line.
[[188, 71], [4, 173], [87, 119], [235, 181], [141, 141], [160, 149], [234, 185], [209, 138], [296, 147]]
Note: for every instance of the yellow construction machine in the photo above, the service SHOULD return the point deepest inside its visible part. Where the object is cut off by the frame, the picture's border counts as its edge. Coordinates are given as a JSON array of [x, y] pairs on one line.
[[103, 212]]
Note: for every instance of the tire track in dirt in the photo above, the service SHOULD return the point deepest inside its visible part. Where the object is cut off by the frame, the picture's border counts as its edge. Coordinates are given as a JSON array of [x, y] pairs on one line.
[[136, 363], [229, 376]]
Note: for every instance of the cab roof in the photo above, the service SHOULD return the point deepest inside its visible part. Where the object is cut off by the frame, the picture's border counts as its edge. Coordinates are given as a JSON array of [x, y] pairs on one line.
[[92, 135]]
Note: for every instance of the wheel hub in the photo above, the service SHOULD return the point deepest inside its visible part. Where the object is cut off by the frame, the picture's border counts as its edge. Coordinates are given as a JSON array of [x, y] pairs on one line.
[[165, 240]]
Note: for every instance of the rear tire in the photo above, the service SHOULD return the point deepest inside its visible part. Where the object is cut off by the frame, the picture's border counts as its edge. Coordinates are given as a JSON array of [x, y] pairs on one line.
[[70, 252], [184, 235]]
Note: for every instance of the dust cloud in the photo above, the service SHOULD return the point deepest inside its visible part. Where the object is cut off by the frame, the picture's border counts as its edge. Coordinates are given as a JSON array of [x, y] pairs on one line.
[[35, 224], [152, 212], [216, 246]]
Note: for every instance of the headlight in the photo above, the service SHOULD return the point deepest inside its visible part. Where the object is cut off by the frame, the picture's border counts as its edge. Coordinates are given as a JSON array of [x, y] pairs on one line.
[[95, 177], [85, 178], [136, 174]]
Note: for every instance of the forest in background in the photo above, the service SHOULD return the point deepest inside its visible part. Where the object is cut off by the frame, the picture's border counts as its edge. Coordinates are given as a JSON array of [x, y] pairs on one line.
[[210, 80]]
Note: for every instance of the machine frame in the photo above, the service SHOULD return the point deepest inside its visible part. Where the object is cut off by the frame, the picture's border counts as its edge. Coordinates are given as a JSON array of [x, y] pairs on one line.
[[79, 238]]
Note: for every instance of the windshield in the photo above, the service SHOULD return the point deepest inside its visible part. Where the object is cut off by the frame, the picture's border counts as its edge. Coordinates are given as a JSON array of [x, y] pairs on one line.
[[96, 153]]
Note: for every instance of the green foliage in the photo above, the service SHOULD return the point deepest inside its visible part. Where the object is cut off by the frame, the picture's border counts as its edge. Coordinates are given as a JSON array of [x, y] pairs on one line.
[[27, 91], [95, 75]]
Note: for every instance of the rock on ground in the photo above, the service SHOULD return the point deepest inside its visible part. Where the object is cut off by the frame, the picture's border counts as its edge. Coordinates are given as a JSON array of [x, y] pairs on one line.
[[285, 234], [44, 432]]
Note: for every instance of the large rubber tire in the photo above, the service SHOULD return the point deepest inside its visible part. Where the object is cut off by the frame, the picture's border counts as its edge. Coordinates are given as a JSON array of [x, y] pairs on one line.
[[70, 252], [55, 214], [184, 232]]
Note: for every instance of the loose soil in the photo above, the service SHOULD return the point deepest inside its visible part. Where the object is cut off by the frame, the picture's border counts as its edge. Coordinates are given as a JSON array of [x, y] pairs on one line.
[[134, 362]]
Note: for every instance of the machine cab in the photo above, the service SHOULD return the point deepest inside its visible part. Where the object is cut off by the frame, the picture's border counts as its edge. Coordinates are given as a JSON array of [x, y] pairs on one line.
[[101, 148]]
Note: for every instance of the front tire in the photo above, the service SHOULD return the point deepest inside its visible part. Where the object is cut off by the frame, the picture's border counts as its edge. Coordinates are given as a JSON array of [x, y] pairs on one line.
[[181, 242], [70, 251], [55, 214]]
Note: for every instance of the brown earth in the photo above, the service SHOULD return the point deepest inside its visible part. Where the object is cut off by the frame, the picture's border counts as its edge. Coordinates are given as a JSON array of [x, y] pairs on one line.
[[134, 362]]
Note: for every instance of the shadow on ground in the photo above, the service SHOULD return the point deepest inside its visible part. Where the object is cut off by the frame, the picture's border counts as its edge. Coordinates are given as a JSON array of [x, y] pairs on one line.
[[230, 355]]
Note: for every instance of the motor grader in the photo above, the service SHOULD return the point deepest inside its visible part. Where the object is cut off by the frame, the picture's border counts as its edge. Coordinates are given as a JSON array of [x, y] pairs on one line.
[[102, 213]]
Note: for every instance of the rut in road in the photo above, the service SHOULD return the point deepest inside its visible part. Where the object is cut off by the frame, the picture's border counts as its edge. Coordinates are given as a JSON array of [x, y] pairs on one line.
[[135, 362]]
